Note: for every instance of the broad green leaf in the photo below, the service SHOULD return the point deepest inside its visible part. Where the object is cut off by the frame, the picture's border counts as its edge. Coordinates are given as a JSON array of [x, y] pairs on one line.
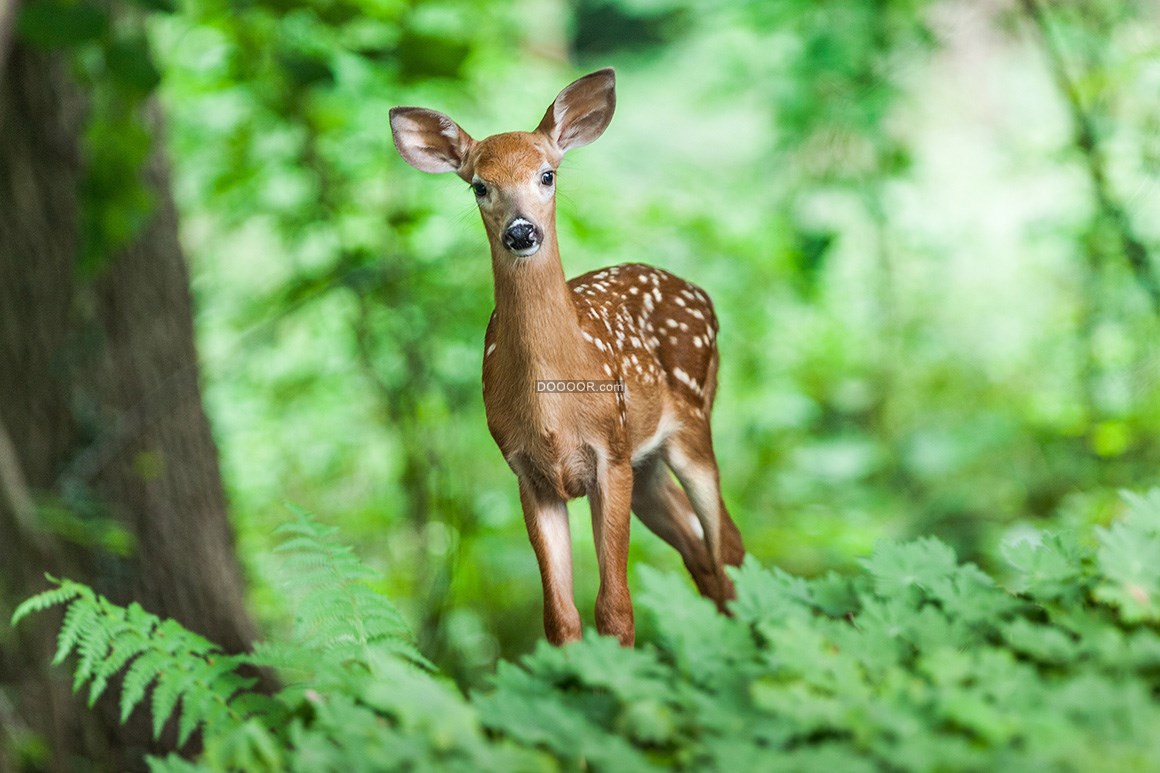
[[901, 568]]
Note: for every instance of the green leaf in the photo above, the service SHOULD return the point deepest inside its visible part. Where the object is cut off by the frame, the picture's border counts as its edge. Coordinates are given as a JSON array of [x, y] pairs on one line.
[[78, 621], [648, 721], [140, 675], [704, 643], [171, 684], [124, 649], [1044, 643], [1129, 560], [1130, 563], [66, 591], [899, 568], [1051, 568], [769, 594], [834, 595]]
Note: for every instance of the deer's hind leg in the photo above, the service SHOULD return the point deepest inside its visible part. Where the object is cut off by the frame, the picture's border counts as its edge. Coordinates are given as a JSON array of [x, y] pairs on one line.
[[689, 453], [665, 509]]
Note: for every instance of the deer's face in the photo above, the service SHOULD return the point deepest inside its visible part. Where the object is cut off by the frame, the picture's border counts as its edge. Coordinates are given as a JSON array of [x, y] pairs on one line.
[[513, 179], [512, 175]]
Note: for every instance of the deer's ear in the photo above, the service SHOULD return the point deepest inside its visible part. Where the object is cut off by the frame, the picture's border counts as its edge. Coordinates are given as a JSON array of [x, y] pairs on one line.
[[582, 111], [429, 140]]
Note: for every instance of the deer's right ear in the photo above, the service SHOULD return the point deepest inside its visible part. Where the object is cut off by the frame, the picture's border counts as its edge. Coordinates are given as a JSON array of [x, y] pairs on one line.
[[429, 140]]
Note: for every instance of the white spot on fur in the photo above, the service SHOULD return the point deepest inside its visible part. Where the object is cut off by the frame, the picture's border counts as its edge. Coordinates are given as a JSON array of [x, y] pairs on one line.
[[687, 380]]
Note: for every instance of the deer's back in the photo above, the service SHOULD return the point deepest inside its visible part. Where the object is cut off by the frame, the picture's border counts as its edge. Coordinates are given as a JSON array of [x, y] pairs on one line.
[[653, 327]]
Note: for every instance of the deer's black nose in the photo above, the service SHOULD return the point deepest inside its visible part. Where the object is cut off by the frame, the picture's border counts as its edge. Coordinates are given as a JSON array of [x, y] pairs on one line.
[[521, 236]]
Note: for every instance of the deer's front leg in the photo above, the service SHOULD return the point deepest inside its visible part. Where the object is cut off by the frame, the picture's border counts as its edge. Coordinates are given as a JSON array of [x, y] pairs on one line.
[[611, 502], [546, 517]]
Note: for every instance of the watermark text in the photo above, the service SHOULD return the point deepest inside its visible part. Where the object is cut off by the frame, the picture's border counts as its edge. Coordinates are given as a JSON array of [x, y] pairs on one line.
[[588, 386]]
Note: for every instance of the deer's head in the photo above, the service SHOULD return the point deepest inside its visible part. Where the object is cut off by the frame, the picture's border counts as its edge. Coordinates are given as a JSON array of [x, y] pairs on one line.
[[512, 175]]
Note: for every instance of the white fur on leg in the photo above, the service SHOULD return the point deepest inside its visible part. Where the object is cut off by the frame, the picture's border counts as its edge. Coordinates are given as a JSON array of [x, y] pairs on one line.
[[553, 523], [701, 486]]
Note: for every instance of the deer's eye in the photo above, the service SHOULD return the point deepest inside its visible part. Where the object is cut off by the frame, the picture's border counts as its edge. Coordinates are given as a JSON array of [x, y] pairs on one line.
[[548, 177], [479, 189]]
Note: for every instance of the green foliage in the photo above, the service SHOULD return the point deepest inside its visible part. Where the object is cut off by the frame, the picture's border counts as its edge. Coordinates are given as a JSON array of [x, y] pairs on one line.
[[155, 657], [1129, 560], [918, 663], [335, 611]]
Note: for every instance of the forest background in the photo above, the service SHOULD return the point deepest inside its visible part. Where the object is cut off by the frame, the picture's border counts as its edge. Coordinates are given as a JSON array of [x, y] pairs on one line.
[[929, 230]]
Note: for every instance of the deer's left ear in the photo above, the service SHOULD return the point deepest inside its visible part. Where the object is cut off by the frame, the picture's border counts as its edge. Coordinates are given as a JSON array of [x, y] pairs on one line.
[[582, 111]]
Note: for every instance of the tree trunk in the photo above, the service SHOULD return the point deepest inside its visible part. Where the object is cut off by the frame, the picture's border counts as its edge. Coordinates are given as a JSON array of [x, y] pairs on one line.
[[101, 423]]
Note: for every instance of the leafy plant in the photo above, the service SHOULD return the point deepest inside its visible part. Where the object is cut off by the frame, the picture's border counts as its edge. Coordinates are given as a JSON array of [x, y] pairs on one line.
[[918, 663]]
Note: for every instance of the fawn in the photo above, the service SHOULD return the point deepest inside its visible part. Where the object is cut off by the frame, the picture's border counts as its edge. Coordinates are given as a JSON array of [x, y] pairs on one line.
[[639, 342]]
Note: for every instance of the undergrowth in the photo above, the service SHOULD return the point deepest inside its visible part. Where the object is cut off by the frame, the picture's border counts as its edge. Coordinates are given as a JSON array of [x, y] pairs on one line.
[[917, 663]]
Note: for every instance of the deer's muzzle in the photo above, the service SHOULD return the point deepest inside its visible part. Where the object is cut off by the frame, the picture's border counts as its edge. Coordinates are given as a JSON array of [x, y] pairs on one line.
[[522, 237]]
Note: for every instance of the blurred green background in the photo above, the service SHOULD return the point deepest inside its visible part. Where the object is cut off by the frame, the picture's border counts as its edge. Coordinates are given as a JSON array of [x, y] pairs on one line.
[[921, 224]]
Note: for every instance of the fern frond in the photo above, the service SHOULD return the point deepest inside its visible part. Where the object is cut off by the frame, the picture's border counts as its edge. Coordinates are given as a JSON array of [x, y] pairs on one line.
[[140, 675], [81, 619], [65, 591], [188, 674], [132, 628], [171, 685], [337, 614], [96, 642]]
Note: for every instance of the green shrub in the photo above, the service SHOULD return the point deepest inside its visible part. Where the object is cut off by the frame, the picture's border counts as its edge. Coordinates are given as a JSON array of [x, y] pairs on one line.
[[918, 663]]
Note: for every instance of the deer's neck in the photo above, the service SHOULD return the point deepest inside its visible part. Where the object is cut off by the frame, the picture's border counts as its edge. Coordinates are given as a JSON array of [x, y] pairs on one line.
[[535, 318]]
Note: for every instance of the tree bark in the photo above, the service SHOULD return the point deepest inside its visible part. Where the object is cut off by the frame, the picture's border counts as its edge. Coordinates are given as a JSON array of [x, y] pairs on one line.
[[101, 420]]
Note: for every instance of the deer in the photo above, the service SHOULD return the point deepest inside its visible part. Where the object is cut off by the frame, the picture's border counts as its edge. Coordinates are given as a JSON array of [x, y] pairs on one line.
[[641, 342]]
